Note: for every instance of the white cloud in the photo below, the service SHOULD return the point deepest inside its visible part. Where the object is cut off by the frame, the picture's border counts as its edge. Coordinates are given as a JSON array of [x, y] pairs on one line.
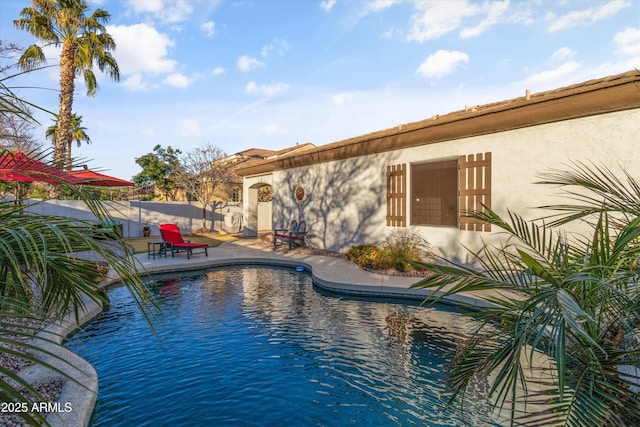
[[135, 83], [218, 71], [189, 128], [547, 77], [274, 129], [364, 8], [148, 6], [267, 90], [563, 53], [378, 5], [587, 16], [327, 5], [177, 80], [209, 28], [389, 33], [167, 11], [628, 41], [52, 54], [246, 63], [527, 15], [140, 48], [433, 19], [278, 46], [341, 98], [441, 63], [495, 11]]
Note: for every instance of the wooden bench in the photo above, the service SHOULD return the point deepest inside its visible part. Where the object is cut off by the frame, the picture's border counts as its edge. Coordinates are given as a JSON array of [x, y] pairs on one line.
[[294, 235]]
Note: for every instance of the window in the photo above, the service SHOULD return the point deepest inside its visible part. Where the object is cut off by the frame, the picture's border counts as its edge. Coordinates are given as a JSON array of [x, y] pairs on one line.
[[434, 193], [442, 192], [235, 195]]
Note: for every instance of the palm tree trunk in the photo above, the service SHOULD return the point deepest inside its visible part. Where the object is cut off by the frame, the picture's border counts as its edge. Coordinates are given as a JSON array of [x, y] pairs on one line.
[[67, 85], [67, 166], [63, 132]]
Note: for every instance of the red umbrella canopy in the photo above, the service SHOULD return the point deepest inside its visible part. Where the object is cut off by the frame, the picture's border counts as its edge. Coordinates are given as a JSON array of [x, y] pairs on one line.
[[89, 177], [16, 166]]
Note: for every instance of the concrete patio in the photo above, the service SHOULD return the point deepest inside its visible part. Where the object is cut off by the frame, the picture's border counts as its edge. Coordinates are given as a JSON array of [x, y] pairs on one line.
[[330, 273]]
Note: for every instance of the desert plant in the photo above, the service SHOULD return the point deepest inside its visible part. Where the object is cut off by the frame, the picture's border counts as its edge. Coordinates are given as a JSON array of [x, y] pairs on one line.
[[362, 255], [577, 300], [42, 275], [42, 279], [404, 246], [396, 252]]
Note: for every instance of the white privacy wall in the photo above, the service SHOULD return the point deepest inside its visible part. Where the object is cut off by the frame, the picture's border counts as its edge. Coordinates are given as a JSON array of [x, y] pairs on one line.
[[134, 214]]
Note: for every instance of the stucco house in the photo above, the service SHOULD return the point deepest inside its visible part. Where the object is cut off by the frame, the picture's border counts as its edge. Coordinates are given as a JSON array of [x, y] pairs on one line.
[[246, 158], [421, 175]]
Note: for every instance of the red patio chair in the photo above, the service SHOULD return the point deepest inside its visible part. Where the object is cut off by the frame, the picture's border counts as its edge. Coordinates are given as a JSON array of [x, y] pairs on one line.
[[171, 234]]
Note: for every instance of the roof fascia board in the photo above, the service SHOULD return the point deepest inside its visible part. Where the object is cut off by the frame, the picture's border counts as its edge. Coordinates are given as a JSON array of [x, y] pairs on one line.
[[608, 95]]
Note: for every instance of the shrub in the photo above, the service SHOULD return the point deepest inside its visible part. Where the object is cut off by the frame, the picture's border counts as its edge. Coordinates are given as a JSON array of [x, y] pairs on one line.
[[362, 255], [394, 253], [404, 246]]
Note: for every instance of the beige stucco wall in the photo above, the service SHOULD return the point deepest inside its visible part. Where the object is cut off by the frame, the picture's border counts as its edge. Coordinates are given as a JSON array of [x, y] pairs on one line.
[[345, 200]]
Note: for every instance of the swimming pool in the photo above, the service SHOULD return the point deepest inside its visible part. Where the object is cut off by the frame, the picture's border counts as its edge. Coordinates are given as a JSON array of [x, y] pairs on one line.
[[262, 346]]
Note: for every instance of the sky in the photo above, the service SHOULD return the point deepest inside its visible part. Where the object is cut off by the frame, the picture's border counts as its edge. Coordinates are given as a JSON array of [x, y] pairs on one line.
[[269, 74]]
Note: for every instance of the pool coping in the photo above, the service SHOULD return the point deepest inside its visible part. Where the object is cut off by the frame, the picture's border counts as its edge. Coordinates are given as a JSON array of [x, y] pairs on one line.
[[80, 380], [333, 274]]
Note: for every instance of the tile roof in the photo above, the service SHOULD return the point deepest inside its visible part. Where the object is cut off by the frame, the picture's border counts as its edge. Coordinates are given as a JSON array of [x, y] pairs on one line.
[[598, 96], [256, 152], [255, 156]]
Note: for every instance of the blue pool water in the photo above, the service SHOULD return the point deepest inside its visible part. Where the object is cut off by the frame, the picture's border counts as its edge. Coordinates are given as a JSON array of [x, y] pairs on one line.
[[263, 347]]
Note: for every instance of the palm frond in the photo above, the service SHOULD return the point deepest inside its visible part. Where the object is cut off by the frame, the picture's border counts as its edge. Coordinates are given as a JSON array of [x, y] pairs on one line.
[[49, 267], [594, 188], [573, 301]]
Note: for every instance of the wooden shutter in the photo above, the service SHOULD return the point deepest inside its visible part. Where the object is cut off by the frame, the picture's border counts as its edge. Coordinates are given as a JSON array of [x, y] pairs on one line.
[[475, 189], [397, 195]]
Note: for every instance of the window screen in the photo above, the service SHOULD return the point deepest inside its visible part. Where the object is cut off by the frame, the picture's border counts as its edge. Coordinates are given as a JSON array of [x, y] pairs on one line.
[[434, 193]]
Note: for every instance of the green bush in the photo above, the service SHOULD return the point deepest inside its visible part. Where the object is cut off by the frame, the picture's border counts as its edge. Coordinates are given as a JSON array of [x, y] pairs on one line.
[[404, 246], [394, 253], [362, 255]]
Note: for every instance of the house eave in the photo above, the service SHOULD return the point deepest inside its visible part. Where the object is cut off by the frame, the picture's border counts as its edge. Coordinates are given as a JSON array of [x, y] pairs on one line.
[[607, 95]]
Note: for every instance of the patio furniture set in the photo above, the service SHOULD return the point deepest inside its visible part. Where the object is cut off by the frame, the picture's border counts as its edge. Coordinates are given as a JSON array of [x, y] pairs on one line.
[[173, 241]]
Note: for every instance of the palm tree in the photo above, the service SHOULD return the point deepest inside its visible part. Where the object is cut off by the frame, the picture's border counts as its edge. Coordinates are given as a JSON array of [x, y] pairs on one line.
[[575, 300], [84, 43], [78, 134], [43, 275]]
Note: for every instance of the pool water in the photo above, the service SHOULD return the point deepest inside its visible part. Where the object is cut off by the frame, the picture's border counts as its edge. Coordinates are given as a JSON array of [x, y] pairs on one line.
[[264, 347]]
